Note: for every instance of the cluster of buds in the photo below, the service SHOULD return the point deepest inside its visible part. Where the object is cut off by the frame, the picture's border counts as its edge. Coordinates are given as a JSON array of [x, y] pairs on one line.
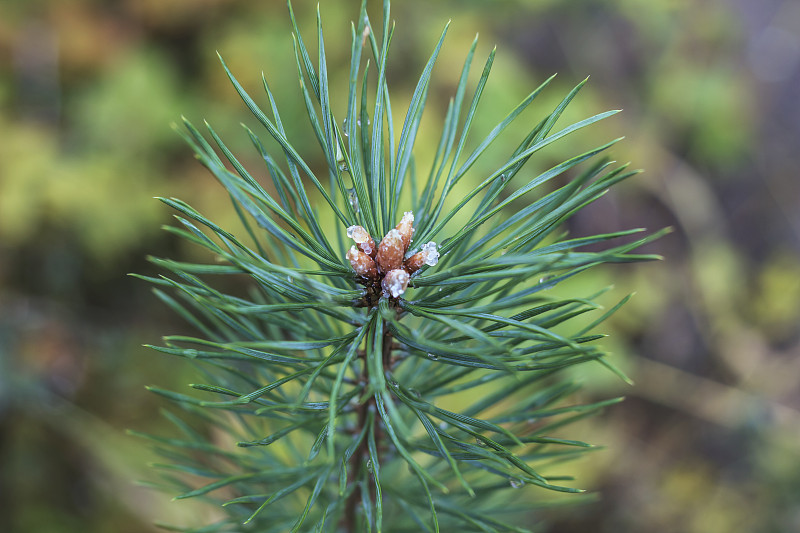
[[385, 264]]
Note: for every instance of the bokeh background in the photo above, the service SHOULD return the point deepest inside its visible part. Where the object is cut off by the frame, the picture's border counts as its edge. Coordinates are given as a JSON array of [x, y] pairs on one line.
[[709, 437]]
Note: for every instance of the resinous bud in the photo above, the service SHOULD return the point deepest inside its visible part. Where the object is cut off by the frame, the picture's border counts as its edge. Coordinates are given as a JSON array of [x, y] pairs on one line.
[[363, 239], [428, 255], [406, 228], [391, 251], [395, 282], [363, 264]]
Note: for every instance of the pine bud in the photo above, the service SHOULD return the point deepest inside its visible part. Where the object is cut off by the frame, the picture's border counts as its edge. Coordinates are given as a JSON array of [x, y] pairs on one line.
[[395, 282], [363, 239], [429, 255], [362, 263], [406, 228], [390, 251]]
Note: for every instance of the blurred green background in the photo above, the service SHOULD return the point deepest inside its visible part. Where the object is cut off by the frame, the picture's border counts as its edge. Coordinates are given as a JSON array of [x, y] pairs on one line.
[[709, 437]]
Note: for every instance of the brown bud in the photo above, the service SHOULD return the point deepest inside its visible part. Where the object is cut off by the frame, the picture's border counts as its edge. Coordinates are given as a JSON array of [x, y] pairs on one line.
[[414, 263], [429, 255], [406, 228], [395, 282], [363, 240], [362, 263], [390, 251]]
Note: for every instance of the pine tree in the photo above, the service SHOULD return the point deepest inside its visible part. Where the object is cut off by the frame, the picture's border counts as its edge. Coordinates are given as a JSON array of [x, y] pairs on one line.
[[401, 368]]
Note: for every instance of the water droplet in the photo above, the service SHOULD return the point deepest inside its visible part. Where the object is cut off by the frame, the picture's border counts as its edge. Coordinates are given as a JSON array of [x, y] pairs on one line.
[[433, 356], [443, 425], [544, 278], [480, 442], [369, 466], [393, 384], [516, 483], [503, 177], [343, 167], [289, 279], [353, 199]]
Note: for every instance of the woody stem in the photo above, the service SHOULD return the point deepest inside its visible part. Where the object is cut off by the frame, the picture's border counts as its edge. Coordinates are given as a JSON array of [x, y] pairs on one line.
[[360, 458]]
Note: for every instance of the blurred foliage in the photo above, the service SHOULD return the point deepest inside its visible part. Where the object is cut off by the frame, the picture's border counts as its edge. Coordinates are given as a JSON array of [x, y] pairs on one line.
[[706, 441]]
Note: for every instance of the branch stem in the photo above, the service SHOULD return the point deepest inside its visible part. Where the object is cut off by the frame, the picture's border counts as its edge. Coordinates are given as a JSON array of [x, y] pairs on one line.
[[360, 458]]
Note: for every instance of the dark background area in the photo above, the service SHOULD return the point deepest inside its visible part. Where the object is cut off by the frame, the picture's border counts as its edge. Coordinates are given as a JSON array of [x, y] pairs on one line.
[[709, 437]]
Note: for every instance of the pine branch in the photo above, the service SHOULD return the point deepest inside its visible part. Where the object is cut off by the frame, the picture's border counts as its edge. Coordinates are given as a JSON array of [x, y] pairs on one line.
[[373, 379]]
